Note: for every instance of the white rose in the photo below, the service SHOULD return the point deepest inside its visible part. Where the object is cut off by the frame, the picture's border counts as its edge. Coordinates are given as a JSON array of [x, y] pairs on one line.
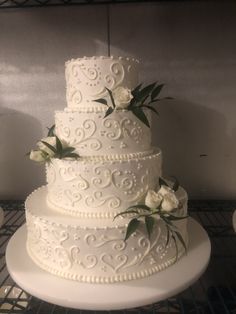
[[169, 202], [153, 199], [36, 155], [50, 140], [165, 190], [122, 97]]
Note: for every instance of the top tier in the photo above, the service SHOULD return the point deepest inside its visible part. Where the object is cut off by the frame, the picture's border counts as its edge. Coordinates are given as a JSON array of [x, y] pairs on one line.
[[88, 78]]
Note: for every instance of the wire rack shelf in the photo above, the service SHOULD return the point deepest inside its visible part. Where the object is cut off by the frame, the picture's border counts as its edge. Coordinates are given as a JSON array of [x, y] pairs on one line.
[[7, 4]]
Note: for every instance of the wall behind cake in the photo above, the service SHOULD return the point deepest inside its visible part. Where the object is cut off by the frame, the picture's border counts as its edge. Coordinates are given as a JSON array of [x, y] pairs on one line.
[[189, 46]]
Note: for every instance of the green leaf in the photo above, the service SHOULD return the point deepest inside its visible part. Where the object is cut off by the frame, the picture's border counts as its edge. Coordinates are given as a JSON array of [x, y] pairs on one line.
[[140, 206], [167, 98], [156, 91], [181, 240], [126, 213], [67, 150], [176, 184], [176, 218], [72, 155], [108, 112], [145, 92], [135, 91], [50, 146], [168, 235], [138, 112], [132, 227], [111, 96], [176, 247], [155, 211], [149, 223], [151, 108], [59, 146], [102, 101], [51, 131], [163, 182], [167, 221]]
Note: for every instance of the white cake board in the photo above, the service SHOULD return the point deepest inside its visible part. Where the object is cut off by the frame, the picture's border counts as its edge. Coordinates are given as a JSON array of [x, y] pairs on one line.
[[234, 220], [116, 296]]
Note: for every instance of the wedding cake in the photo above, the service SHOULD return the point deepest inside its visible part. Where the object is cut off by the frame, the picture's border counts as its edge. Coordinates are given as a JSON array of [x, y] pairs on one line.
[[105, 215]]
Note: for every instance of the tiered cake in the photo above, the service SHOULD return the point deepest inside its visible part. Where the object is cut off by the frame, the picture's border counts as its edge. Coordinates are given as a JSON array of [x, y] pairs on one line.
[[72, 232]]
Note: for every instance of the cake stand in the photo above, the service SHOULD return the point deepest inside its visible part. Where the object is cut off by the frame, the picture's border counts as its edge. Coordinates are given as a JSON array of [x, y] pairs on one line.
[[234, 220], [116, 296]]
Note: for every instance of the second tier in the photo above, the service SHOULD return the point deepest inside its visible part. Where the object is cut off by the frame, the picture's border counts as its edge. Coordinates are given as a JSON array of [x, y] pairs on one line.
[[102, 186], [91, 134]]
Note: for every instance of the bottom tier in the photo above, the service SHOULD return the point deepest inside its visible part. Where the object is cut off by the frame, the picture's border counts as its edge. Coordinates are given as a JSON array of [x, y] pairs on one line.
[[94, 250]]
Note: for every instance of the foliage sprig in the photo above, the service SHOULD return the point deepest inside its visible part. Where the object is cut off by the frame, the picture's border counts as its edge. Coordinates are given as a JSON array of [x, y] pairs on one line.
[[142, 98], [52, 147], [143, 214]]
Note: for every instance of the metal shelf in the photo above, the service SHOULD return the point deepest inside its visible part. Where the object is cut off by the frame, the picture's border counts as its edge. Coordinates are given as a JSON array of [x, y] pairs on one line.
[[4, 4], [213, 293]]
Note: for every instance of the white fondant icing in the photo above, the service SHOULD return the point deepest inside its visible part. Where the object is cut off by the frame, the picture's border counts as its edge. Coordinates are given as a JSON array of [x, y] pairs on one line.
[[92, 134], [71, 228], [85, 250], [100, 187], [88, 78]]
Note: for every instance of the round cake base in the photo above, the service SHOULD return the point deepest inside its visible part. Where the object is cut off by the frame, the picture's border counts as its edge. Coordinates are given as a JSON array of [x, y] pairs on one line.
[[116, 296], [234, 221]]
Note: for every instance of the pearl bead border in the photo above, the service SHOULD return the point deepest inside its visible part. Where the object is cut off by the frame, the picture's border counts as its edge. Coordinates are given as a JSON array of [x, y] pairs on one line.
[[139, 156], [92, 109], [129, 59]]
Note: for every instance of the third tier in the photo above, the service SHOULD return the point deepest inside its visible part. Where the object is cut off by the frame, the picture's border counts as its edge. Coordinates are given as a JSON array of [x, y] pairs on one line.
[[102, 186]]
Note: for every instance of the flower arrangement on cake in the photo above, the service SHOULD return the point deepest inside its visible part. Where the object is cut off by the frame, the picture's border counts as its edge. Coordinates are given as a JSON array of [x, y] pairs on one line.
[[160, 205], [135, 100], [106, 214], [52, 147]]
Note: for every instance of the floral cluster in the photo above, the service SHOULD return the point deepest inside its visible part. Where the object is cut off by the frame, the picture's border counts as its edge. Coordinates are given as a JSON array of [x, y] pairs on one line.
[[52, 147], [134, 100], [165, 197], [160, 205], [43, 152]]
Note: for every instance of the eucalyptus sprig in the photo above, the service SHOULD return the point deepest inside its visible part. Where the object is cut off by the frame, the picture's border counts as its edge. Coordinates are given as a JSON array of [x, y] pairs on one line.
[[140, 99], [142, 213]]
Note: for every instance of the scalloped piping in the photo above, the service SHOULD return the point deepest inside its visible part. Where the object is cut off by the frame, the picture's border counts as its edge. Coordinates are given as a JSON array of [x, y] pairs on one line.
[[102, 58], [99, 279]]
